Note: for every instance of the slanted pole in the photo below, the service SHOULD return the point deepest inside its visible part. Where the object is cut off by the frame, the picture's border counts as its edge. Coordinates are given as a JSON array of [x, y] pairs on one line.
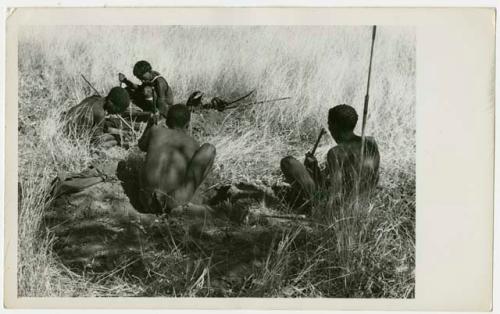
[[365, 112], [91, 86]]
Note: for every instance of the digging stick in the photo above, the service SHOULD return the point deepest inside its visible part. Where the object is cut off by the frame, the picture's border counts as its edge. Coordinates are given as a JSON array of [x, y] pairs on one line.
[[317, 141], [257, 102], [365, 110]]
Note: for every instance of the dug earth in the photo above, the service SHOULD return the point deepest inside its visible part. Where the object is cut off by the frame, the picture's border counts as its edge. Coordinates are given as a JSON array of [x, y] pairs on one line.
[[101, 229]]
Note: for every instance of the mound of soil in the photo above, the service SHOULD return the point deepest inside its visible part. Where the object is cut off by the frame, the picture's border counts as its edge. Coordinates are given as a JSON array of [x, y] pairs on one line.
[[102, 229]]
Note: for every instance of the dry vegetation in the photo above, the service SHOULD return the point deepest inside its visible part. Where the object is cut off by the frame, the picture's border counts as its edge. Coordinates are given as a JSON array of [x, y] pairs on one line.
[[369, 252]]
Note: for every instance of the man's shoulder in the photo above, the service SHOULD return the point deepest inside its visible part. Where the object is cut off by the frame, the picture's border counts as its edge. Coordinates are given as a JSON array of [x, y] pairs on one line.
[[371, 140], [96, 98], [158, 78], [371, 145], [159, 129], [92, 101], [346, 149], [339, 151], [97, 104], [170, 135]]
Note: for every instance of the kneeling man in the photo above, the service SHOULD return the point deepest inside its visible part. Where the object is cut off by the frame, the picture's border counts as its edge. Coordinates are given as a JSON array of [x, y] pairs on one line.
[[93, 112], [175, 165], [343, 164]]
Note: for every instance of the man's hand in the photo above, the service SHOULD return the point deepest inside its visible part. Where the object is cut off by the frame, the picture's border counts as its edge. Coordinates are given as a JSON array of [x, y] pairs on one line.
[[153, 119], [156, 117], [310, 162], [218, 104], [121, 77]]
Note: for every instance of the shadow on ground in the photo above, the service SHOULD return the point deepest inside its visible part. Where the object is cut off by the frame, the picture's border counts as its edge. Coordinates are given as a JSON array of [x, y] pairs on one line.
[[101, 230]]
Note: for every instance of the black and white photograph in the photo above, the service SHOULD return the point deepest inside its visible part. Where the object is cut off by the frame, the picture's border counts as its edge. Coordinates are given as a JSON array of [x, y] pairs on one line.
[[216, 161]]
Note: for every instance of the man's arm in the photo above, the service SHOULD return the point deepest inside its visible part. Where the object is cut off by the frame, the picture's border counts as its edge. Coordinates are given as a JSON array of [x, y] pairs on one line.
[[143, 142], [124, 80], [311, 164], [164, 96], [130, 84]]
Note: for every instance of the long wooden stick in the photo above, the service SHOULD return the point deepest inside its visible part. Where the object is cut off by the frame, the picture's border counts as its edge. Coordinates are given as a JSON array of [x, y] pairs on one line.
[[241, 98], [365, 110], [257, 102], [317, 141], [95, 90]]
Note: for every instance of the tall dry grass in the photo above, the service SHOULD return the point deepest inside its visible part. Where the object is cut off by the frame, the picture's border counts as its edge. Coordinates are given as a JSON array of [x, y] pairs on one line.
[[369, 253]]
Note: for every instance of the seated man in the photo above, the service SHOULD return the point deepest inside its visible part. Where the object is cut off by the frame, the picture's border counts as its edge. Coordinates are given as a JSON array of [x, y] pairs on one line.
[[92, 112], [343, 164], [154, 94], [175, 165]]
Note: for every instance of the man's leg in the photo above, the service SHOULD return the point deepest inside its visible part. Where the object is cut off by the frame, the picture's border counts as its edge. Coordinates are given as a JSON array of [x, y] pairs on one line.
[[303, 185], [193, 210], [198, 168], [104, 140], [296, 173]]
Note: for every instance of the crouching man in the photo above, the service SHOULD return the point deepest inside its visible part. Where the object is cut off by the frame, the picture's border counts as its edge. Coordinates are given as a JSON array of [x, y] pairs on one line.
[[176, 164], [343, 162], [92, 113]]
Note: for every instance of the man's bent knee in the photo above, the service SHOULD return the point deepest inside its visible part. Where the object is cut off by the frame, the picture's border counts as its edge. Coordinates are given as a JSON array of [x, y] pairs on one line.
[[208, 150], [294, 171], [205, 155], [287, 164]]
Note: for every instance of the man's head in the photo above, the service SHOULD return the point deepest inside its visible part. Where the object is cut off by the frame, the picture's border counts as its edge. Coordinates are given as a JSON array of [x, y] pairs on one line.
[[117, 100], [148, 92], [178, 117], [342, 120], [142, 70]]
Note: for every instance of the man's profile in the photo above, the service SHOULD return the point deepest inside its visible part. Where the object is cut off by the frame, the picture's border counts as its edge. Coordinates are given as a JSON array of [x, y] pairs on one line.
[[93, 112], [344, 168]]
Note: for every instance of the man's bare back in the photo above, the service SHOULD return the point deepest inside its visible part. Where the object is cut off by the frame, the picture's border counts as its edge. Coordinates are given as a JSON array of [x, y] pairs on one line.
[[169, 153], [175, 165], [91, 113], [343, 166]]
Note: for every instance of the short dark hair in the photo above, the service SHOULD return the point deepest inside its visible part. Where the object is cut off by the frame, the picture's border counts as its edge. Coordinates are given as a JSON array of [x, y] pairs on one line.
[[178, 116], [343, 117], [141, 67], [117, 100]]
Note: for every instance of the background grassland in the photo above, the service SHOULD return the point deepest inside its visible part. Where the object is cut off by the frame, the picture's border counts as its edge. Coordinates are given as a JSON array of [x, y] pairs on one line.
[[318, 67]]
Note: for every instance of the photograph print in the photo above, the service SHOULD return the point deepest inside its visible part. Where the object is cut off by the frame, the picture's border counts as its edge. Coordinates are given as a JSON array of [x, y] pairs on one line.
[[216, 161]]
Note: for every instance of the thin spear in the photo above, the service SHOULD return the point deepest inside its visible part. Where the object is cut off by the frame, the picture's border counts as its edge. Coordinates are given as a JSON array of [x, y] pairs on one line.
[[365, 112], [98, 94], [241, 98], [258, 102]]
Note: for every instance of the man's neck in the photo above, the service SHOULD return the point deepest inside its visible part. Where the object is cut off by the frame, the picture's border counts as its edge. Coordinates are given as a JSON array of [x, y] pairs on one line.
[[183, 130], [347, 137]]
